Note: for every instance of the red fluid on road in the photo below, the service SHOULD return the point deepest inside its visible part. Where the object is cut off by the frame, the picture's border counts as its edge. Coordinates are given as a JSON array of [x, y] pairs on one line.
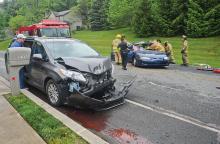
[[98, 122], [125, 136], [91, 120]]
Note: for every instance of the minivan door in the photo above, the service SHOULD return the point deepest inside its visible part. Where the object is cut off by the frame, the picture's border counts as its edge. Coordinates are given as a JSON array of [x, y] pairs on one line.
[[36, 69]]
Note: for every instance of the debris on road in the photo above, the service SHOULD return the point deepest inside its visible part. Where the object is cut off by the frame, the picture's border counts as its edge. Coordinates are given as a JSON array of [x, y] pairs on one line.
[[204, 67], [216, 70]]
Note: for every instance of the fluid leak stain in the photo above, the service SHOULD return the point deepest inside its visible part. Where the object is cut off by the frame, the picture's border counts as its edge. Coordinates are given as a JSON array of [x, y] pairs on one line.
[[88, 119], [125, 136]]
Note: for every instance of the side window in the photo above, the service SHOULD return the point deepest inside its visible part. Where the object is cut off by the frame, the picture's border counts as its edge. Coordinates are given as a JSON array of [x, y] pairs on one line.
[[28, 44], [39, 49]]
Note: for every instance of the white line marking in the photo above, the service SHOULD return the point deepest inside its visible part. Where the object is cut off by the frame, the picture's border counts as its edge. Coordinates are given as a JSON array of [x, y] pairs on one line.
[[177, 116]]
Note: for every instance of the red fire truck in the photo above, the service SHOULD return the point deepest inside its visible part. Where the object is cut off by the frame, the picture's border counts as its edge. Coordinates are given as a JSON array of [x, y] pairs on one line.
[[48, 28]]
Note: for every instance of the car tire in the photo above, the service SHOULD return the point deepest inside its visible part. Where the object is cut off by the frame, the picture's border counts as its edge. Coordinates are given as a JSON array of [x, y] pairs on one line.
[[135, 62], [54, 93]]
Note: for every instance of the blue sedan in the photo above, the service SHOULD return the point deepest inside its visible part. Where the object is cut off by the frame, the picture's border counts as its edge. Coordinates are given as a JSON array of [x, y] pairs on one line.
[[149, 58]]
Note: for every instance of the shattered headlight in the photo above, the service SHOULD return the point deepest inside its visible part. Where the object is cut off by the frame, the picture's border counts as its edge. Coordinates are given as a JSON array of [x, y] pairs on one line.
[[73, 75]]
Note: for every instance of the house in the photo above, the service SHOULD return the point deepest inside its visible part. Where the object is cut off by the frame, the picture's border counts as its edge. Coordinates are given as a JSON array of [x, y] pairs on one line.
[[74, 20]]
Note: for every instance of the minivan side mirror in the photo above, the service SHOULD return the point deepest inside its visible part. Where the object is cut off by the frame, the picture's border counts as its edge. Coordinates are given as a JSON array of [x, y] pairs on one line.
[[38, 56]]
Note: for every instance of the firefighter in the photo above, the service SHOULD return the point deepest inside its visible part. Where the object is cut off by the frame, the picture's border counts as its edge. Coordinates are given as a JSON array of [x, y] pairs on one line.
[[169, 52], [124, 52], [115, 48], [19, 43], [157, 46], [184, 51]]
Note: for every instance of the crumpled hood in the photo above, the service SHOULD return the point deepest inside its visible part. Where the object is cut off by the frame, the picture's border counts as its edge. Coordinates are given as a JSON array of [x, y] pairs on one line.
[[95, 65]]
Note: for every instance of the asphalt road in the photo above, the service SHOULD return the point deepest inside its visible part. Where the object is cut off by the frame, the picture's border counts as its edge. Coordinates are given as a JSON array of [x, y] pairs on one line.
[[176, 105]]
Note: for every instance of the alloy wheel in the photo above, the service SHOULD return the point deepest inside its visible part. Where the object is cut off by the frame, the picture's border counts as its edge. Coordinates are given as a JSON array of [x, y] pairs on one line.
[[53, 93]]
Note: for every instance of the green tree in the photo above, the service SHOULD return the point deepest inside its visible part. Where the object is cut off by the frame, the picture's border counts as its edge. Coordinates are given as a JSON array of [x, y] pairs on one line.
[[17, 21], [167, 13], [195, 22], [179, 24], [213, 21], [10, 7], [98, 17], [120, 12], [143, 22], [104, 14], [2, 25], [3, 20], [207, 5], [61, 5], [83, 8]]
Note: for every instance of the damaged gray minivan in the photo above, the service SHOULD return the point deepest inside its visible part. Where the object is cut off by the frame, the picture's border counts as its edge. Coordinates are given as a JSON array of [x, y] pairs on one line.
[[70, 72]]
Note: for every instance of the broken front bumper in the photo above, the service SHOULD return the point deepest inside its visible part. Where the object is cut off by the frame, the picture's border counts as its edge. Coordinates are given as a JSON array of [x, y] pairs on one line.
[[84, 100]]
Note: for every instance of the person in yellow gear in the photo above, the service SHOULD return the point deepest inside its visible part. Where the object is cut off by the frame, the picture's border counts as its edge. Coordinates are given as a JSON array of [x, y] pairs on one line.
[[169, 52], [157, 46], [184, 51], [115, 48]]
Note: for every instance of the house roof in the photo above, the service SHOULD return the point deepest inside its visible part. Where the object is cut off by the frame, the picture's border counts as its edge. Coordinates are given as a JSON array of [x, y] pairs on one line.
[[62, 13]]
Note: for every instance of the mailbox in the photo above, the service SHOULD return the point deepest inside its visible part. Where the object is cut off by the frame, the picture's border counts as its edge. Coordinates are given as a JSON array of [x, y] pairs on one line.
[[17, 57]]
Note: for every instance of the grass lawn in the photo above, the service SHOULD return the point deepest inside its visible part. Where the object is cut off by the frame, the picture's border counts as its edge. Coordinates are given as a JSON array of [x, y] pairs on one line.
[[201, 50], [4, 44], [49, 128]]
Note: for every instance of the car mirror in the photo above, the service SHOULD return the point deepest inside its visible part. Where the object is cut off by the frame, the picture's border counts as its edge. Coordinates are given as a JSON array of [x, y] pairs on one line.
[[38, 56]]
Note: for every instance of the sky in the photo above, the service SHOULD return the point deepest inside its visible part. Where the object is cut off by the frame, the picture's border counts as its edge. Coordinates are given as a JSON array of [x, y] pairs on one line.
[[1, 0]]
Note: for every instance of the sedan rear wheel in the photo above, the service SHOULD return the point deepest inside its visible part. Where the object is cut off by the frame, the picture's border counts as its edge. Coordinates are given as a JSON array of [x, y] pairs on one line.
[[53, 93]]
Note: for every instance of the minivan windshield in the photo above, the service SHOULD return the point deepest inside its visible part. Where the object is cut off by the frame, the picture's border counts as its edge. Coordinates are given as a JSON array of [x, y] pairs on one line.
[[70, 49]]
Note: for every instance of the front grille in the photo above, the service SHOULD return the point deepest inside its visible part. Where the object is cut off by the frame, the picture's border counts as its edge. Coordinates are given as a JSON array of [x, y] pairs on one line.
[[93, 79], [101, 77], [98, 78]]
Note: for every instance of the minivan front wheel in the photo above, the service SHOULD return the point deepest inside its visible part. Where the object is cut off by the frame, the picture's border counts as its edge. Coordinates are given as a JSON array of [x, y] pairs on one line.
[[53, 93]]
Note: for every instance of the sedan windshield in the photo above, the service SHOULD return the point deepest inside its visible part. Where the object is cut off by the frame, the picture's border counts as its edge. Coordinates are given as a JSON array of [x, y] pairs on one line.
[[70, 49]]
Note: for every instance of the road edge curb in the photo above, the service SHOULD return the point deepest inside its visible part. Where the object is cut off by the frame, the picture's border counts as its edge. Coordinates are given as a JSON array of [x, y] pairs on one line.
[[73, 125]]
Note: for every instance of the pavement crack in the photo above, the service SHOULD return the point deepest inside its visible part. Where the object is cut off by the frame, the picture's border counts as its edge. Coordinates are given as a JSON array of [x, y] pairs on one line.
[[163, 86]]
